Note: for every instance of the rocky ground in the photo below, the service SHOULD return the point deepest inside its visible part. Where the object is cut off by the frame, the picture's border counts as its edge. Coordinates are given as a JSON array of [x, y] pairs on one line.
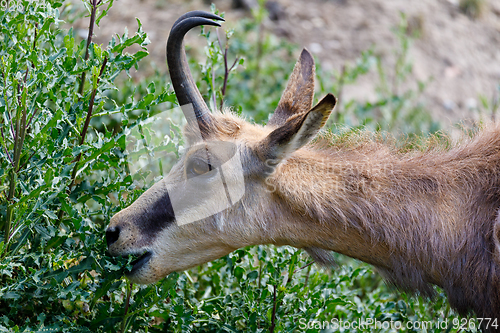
[[460, 54]]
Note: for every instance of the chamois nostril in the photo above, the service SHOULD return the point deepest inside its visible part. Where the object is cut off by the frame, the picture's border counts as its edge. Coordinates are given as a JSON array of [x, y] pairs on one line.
[[112, 235]]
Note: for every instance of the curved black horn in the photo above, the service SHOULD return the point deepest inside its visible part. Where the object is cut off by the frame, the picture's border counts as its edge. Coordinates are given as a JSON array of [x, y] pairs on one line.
[[199, 13], [182, 80]]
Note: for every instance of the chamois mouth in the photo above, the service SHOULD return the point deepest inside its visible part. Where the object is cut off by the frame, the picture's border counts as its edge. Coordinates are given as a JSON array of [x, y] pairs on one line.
[[140, 262]]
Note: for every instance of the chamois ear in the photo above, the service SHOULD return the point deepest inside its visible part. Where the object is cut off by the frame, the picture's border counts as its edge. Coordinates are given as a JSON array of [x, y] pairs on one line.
[[298, 130], [299, 92]]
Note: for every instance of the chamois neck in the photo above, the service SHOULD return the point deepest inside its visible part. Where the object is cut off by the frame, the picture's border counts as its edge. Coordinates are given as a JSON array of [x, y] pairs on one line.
[[332, 196], [396, 211]]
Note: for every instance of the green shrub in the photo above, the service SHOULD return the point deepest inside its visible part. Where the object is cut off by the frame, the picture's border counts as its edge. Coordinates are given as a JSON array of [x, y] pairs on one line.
[[61, 181]]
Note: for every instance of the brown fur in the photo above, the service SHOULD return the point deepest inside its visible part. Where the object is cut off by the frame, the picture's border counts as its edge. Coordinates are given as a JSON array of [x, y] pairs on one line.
[[423, 217]]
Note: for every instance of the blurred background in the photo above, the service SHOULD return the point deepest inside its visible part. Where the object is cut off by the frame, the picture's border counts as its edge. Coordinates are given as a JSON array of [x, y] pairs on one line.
[[454, 47]]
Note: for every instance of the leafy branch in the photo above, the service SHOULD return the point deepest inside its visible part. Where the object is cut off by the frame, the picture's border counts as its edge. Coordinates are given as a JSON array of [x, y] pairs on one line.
[[94, 4], [226, 68]]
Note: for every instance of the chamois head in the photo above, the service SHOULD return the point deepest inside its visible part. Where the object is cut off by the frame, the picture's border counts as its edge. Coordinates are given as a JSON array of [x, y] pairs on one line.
[[216, 198]]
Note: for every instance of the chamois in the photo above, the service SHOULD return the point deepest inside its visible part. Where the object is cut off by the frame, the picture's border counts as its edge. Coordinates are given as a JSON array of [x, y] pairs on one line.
[[422, 217]]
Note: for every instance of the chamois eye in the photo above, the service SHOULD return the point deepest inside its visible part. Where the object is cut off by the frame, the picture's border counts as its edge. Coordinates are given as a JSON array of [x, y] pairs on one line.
[[198, 167]]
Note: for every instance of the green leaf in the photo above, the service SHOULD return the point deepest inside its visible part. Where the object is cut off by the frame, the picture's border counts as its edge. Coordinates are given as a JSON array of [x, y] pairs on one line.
[[50, 215], [55, 242], [140, 55], [137, 39], [79, 149], [104, 12], [69, 43], [20, 242], [108, 284], [44, 28]]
